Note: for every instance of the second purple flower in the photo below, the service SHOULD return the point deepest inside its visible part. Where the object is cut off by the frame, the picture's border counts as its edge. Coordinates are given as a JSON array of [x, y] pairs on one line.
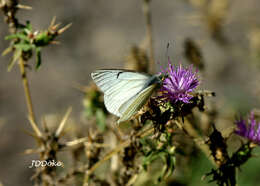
[[251, 130]]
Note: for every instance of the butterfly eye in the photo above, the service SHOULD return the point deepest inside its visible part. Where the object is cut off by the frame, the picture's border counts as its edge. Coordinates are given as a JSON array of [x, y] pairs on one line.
[[162, 77]]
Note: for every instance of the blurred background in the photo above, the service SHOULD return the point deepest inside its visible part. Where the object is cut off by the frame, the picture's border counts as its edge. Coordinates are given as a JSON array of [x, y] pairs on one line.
[[225, 32]]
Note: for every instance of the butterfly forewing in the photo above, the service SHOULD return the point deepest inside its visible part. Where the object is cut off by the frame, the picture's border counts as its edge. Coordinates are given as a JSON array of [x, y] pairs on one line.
[[106, 79]]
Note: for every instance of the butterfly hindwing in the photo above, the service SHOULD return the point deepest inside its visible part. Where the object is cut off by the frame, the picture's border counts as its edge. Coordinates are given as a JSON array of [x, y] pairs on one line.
[[136, 103], [121, 94]]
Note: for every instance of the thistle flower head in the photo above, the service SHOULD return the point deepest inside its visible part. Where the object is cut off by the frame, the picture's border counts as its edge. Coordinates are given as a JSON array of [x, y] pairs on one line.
[[178, 83], [251, 130]]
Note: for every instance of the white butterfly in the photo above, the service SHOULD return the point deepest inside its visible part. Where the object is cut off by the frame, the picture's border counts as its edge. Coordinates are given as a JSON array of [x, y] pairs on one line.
[[125, 92]]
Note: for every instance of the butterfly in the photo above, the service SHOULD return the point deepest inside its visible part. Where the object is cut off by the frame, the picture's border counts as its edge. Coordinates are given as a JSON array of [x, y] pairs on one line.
[[125, 91]]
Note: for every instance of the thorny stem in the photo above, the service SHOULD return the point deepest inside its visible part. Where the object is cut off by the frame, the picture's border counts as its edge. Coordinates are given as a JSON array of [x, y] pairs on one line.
[[26, 90], [114, 151], [148, 17], [9, 9]]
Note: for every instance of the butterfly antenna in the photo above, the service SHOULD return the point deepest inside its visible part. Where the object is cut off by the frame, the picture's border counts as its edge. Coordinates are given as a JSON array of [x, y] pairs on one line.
[[167, 57]]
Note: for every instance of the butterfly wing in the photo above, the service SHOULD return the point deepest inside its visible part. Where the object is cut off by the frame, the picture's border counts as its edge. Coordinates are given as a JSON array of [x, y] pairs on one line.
[[133, 105], [119, 86]]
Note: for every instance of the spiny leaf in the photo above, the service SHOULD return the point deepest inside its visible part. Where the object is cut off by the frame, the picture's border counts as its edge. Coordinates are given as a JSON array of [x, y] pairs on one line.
[[151, 157], [28, 25], [15, 57], [43, 39], [169, 166], [38, 58], [12, 36], [21, 36], [24, 47], [7, 50]]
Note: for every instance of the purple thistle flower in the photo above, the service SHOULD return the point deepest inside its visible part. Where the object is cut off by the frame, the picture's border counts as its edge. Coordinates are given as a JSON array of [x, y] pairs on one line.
[[178, 83], [251, 132]]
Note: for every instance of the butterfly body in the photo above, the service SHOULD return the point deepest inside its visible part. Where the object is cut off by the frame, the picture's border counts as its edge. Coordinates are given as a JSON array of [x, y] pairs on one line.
[[125, 92]]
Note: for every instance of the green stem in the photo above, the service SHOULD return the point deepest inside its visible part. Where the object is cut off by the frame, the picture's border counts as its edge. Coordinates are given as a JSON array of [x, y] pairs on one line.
[[26, 90]]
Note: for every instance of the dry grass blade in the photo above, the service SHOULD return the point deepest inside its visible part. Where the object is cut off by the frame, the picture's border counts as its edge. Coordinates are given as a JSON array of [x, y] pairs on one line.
[[63, 121], [86, 142], [33, 151], [76, 142], [98, 145], [24, 7]]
